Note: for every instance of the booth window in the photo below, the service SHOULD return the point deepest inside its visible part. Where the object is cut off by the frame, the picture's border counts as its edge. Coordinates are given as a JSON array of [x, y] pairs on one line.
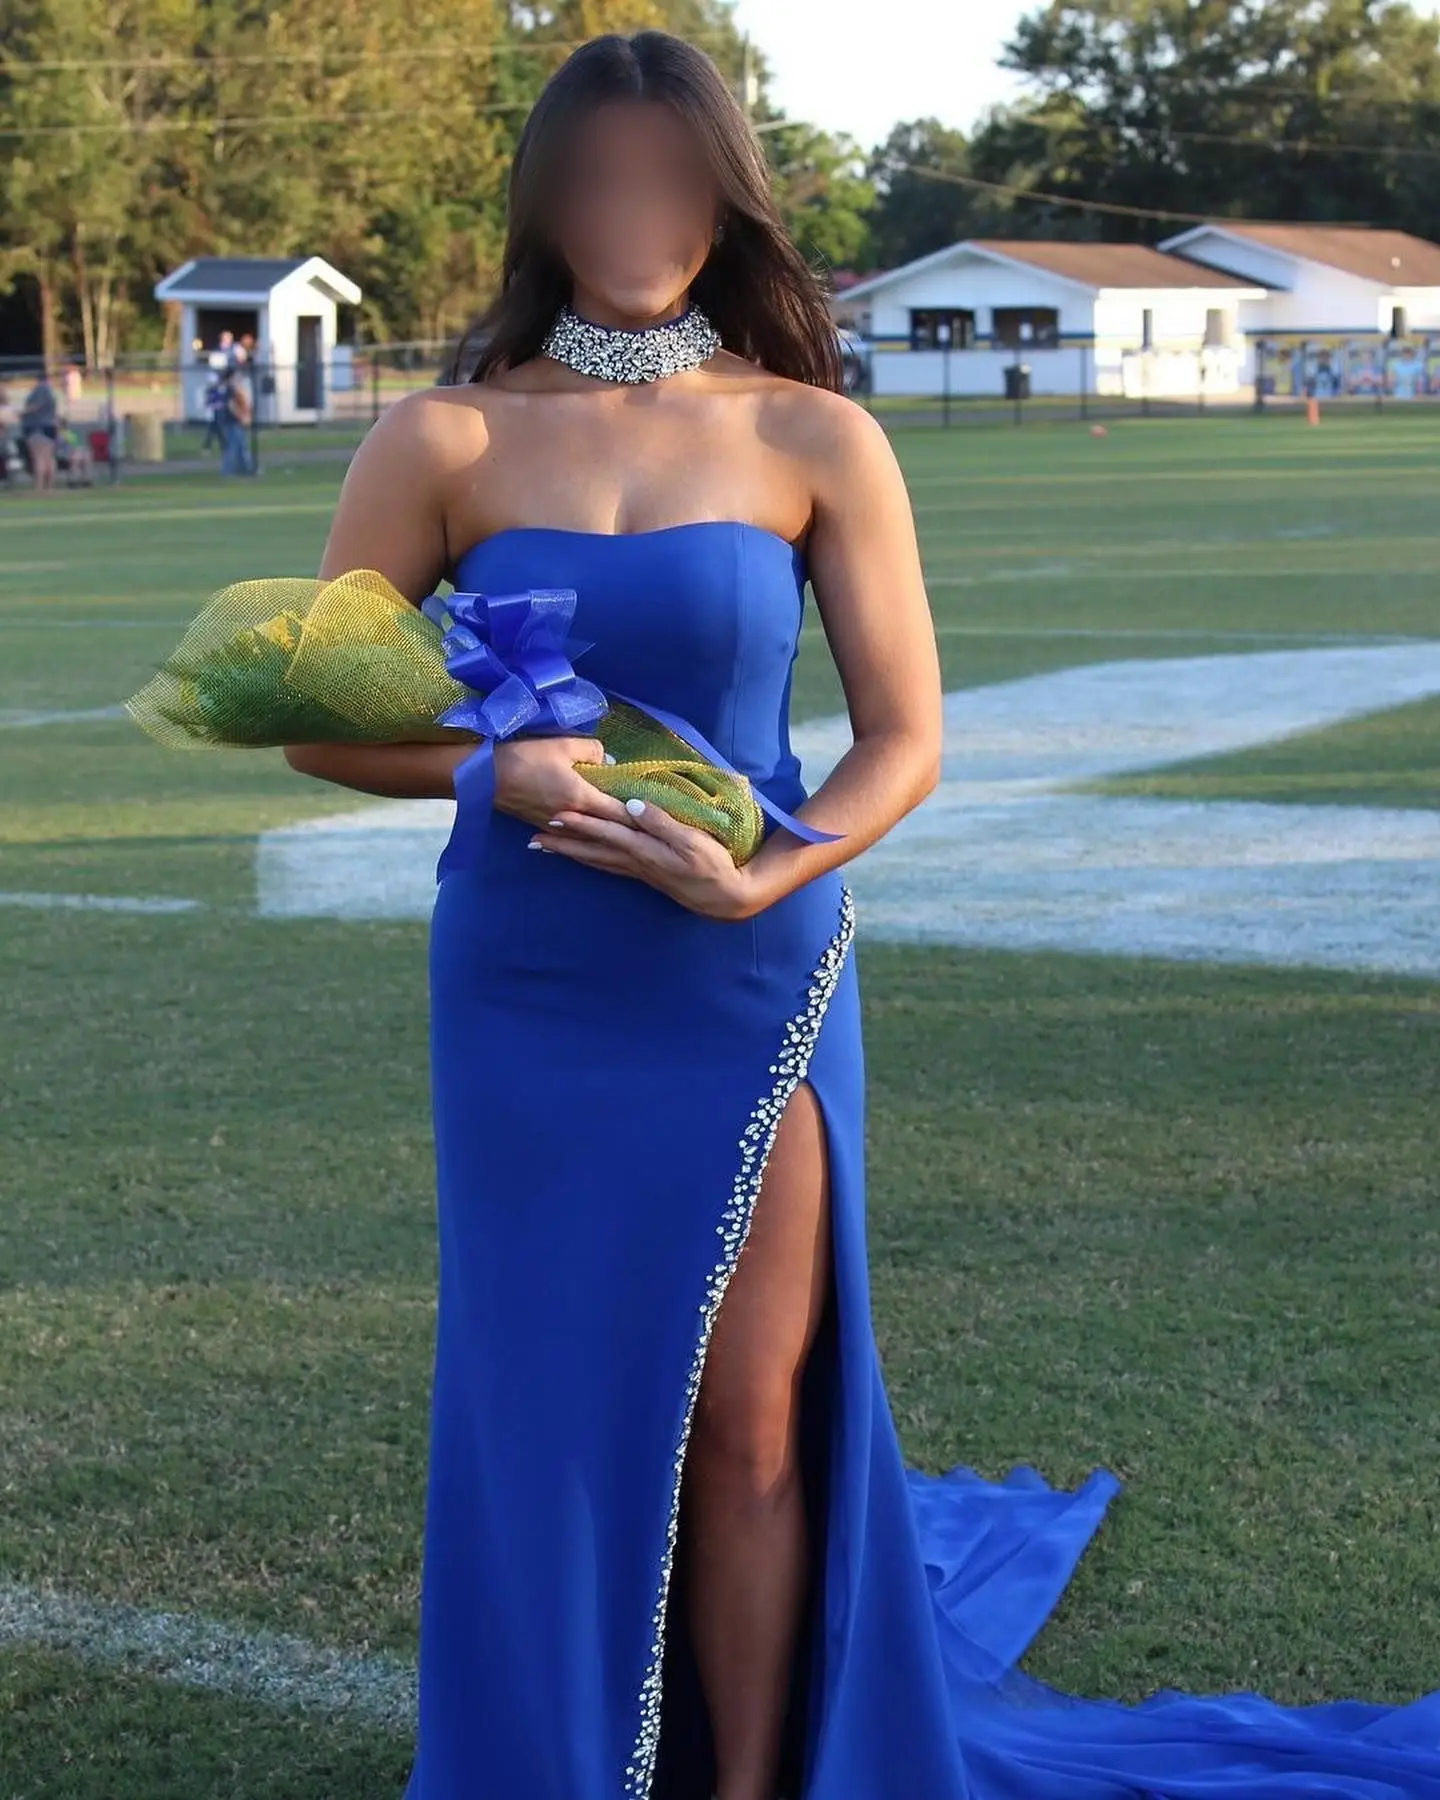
[[925, 332], [1027, 327]]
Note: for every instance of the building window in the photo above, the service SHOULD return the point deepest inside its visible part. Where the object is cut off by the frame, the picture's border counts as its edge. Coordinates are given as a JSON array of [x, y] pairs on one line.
[[1026, 327], [929, 327]]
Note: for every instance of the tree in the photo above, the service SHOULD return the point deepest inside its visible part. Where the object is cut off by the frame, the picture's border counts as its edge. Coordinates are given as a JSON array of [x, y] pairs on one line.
[[1303, 109], [821, 190]]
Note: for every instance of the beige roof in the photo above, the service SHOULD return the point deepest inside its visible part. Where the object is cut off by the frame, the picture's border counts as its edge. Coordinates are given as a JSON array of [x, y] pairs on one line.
[[1392, 257], [1112, 265]]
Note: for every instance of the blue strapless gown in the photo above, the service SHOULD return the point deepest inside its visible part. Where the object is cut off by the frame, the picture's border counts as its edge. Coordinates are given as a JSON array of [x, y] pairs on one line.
[[608, 1072]]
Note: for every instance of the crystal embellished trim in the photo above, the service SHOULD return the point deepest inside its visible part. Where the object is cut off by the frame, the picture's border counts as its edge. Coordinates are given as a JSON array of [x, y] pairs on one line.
[[789, 1069], [616, 353]]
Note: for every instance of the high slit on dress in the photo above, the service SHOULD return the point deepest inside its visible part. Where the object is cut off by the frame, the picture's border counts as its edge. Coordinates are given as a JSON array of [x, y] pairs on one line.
[[609, 1070]]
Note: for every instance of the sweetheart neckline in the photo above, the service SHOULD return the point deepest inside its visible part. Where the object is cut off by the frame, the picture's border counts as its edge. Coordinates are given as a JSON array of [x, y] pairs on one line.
[[654, 531]]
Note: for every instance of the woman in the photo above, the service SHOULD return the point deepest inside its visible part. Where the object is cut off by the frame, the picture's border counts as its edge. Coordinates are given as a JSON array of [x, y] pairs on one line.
[[671, 1547], [39, 427]]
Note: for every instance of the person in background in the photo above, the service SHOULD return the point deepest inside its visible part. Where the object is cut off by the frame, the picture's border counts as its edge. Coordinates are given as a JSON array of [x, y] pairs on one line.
[[75, 448], [39, 427], [214, 404], [235, 425], [6, 426]]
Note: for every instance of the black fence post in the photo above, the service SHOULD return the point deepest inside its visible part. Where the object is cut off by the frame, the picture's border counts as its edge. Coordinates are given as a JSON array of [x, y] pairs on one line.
[[374, 388], [112, 423], [1085, 380], [256, 384], [1258, 376]]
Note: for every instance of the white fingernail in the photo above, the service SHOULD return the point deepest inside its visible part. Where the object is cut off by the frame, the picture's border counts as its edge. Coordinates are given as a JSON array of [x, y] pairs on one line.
[[557, 824], [608, 759], [534, 844], [635, 807]]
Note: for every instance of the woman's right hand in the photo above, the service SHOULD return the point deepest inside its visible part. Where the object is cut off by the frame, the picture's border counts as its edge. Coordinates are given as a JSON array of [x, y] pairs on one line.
[[535, 779]]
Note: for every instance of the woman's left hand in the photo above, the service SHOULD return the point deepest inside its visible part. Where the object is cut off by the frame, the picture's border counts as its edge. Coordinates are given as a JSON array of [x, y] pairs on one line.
[[684, 862]]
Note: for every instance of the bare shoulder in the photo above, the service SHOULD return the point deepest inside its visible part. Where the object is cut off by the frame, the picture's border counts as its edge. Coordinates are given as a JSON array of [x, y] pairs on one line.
[[394, 501], [831, 435], [434, 427]]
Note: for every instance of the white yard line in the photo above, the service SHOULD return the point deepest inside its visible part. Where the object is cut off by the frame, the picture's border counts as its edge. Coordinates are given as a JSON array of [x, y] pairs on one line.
[[98, 902], [280, 1670], [14, 718], [1002, 855]]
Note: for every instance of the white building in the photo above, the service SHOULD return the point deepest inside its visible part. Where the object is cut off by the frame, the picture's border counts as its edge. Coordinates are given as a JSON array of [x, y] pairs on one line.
[[288, 306], [1084, 317], [1324, 279]]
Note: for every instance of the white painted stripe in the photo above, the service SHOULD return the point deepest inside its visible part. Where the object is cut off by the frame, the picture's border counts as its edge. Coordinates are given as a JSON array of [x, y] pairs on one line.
[[1000, 855], [195, 1651], [12, 719], [99, 902]]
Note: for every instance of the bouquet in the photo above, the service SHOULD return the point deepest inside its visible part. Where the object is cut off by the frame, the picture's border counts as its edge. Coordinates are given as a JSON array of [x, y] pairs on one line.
[[286, 660]]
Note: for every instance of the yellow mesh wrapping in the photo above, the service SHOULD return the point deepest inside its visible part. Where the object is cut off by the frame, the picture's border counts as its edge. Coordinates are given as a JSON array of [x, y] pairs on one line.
[[290, 660], [654, 765]]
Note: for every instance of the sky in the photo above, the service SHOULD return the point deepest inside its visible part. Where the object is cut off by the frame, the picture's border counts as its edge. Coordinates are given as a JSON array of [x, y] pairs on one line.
[[859, 67]]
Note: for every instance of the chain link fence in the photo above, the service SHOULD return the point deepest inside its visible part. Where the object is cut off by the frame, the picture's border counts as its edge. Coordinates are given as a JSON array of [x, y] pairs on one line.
[[152, 412]]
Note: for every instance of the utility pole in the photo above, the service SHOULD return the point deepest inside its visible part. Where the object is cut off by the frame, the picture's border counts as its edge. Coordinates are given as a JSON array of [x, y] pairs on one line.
[[749, 80]]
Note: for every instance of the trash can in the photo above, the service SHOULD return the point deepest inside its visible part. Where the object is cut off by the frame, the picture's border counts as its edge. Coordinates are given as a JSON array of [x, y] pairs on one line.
[[1017, 381], [145, 437]]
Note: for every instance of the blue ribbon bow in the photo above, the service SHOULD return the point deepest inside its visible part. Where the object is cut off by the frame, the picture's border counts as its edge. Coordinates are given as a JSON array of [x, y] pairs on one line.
[[514, 653]]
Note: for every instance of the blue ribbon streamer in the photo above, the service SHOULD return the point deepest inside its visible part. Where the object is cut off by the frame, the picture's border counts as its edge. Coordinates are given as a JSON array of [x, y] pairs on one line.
[[515, 655]]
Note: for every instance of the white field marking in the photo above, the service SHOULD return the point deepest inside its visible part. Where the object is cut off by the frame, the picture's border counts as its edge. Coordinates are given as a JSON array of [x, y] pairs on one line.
[[31, 568], [1001, 855], [12, 718], [98, 902], [194, 1651]]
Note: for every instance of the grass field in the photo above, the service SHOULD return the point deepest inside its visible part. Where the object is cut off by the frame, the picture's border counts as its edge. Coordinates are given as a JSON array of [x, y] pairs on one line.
[[1172, 1216]]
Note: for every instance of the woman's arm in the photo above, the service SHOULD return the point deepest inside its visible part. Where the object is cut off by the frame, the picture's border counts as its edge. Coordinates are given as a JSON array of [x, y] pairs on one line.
[[390, 517], [870, 593]]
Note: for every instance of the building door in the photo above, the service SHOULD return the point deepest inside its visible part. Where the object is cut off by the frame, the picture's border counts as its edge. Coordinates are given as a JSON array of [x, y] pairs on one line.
[[309, 373]]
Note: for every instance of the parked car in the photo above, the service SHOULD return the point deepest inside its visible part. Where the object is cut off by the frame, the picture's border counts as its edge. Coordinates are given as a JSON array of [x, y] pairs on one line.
[[854, 360]]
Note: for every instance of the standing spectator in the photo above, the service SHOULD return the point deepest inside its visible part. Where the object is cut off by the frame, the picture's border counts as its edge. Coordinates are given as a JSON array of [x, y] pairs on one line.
[[235, 425], [214, 403], [39, 427], [5, 427]]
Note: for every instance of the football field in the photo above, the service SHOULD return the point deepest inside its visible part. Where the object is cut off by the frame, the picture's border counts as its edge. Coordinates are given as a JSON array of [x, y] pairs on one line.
[[1152, 992]]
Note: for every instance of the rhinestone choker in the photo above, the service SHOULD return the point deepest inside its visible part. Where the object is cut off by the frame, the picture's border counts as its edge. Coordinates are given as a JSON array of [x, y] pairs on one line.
[[620, 353]]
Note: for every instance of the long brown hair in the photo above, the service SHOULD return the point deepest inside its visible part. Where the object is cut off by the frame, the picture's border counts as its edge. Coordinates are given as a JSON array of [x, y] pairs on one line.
[[756, 287]]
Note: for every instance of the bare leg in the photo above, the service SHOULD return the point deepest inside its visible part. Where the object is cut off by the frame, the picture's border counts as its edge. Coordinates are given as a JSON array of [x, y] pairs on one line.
[[744, 1513]]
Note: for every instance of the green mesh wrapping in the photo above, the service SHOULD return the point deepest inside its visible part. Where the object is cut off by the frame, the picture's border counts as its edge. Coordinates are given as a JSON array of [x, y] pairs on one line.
[[291, 660]]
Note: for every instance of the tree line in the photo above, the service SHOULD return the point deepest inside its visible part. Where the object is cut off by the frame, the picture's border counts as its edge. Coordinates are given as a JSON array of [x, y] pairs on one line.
[[137, 133]]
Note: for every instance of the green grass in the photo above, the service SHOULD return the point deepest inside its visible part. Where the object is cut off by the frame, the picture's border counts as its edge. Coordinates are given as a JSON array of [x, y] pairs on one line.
[[1389, 758], [1177, 1219]]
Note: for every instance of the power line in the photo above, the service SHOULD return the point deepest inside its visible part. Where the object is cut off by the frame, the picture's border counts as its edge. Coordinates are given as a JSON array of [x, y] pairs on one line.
[[200, 61], [1299, 146], [1019, 193], [158, 126]]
